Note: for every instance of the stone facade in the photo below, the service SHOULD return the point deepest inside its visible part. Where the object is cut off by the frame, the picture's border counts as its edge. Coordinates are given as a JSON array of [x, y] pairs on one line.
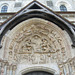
[[15, 5], [37, 44]]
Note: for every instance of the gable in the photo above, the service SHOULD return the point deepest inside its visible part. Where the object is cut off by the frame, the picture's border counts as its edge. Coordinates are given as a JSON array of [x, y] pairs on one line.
[[37, 10]]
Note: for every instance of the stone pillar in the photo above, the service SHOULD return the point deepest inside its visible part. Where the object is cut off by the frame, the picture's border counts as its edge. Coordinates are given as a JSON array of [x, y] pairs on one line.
[[11, 73], [5, 70], [61, 69], [8, 73], [5, 67], [0, 66], [2, 71], [70, 69], [65, 70], [72, 66], [73, 70], [14, 69]]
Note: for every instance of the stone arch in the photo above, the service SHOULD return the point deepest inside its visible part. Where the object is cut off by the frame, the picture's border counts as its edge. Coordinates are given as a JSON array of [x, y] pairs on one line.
[[34, 39], [39, 68]]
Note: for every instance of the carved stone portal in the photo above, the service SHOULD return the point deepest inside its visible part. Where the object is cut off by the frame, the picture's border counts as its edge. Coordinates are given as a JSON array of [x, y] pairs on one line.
[[36, 41]]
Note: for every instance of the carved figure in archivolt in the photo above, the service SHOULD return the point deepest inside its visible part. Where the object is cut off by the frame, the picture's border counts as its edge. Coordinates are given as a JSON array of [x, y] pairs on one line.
[[26, 46], [42, 59], [36, 43], [44, 45], [33, 58]]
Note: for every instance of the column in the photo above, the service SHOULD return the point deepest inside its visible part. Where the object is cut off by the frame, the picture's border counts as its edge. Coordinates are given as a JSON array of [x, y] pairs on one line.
[[5, 70], [5, 67], [61, 69], [70, 69], [73, 69], [74, 65], [14, 69], [2, 68], [65, 70], [11, 70], [8, 70], [2, 71]]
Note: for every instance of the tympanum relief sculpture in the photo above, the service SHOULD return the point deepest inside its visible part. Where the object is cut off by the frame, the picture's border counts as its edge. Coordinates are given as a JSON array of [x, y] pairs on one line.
[[36, 39]]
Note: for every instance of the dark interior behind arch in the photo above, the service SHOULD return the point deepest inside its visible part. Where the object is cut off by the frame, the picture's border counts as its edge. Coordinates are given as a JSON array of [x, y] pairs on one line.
[[38, 73]]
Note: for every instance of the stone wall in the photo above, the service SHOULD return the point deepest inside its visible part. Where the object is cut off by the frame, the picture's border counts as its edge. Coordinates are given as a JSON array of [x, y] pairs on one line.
[[36, 43]]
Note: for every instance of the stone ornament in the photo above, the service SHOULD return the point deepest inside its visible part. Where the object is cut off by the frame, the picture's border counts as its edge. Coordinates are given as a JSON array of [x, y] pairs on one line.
[[36, 41]]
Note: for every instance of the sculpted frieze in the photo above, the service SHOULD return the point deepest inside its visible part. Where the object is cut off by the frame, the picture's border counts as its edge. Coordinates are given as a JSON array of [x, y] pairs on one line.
[[34, 58]]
